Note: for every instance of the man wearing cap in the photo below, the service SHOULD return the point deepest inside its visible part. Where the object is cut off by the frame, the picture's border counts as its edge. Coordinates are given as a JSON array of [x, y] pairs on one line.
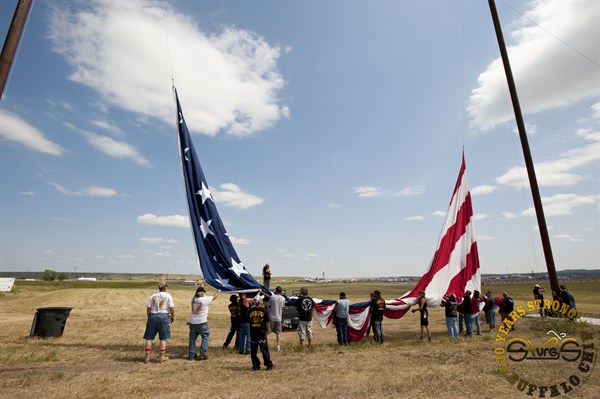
[[377, 308], [160, 309], [199, 322], [538, 296], [276, 303]]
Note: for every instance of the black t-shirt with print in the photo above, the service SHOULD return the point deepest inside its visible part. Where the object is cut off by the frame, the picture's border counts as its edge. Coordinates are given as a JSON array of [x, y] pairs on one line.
[[305, 306], [258, 318]]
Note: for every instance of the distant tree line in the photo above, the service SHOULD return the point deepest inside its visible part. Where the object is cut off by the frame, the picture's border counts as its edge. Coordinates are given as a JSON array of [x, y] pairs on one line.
[[51, 275]]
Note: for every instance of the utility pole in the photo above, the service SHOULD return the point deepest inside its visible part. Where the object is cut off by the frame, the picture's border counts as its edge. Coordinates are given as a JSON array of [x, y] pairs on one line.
[[11, 43], [535, 191]]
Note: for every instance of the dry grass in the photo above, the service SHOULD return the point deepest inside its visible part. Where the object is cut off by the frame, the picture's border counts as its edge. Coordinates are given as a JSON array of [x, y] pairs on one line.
[[100, 353]]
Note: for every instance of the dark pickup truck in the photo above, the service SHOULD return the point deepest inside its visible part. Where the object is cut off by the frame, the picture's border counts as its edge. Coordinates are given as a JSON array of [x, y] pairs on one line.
[[289, 317]]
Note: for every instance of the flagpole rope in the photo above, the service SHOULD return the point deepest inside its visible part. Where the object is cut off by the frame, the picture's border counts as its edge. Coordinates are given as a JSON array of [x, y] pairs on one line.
[[168, 48]]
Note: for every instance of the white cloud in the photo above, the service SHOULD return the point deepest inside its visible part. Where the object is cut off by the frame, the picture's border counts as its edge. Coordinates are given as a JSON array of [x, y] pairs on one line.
[[509, 215], [547, 72], [483, 189], [106, 125], [165, 253], [227, 81], [485, 238], [240, 241], [558, 172], [332, 205], [116, 149], [159, 240], [414, 218], [90, 191], [410, 191], [16, 130], [368, 191], [596, 110], [568, 237], [58, 103], [480, 216], [26, 193], [232, 195], [441, 214], [563, 204], [310, 256], [172, 220], [126, 257]]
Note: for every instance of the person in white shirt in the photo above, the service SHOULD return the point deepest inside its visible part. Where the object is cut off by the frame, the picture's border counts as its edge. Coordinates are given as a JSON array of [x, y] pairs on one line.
[[341, 319], [160, 310], [276, 304], [199, 323]]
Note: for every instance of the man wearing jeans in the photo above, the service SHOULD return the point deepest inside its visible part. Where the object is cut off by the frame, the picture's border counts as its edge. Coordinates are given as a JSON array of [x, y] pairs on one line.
[[466, 312], [199, 323], [377, 309], [450, 305], [341, 319]]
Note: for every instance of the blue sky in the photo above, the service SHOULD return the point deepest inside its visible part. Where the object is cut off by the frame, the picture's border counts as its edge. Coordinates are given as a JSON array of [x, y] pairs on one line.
[[330, 133]]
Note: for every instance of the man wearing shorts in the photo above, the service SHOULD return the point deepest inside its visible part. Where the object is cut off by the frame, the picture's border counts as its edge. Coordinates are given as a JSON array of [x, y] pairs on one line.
[[305, 306], [276, 303], [160, 310]]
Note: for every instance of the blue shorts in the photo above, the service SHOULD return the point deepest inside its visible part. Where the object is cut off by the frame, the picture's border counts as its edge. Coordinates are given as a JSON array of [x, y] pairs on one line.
[[158, 324], [490, 316]]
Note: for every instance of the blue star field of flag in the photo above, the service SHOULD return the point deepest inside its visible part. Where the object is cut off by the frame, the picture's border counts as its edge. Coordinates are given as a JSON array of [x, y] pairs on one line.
[[219, 263]]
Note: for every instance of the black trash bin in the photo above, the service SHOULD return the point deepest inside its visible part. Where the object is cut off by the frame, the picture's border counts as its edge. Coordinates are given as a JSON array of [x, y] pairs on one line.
[[49, 322]]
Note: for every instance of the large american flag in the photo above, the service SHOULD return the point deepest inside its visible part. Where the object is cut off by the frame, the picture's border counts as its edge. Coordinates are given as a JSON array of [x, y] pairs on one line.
[[453, 270], [219, 263]]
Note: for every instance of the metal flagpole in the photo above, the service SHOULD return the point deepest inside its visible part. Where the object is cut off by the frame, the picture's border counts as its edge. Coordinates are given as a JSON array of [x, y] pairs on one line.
[[537, 201], [11, 42]]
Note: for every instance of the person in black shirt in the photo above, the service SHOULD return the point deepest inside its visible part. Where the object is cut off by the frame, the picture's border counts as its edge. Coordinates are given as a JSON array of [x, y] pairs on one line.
[[507, 306], [305, 306], [466, 312], [267, 276], [450, 305], [235, 322], [260, 328], [489, 311], [377, 307]]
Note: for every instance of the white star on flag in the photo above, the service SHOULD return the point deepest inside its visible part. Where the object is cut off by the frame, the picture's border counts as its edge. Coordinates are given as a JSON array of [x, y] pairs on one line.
[[185, 153], [205, 228], [223, 281], [204, 192], [237, 268]]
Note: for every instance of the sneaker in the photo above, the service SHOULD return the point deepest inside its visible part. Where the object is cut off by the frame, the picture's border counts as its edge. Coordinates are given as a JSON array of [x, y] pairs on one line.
[[255, 368], [202, 357], [278, 348], [147, 358], [163, 358], [270, 367]]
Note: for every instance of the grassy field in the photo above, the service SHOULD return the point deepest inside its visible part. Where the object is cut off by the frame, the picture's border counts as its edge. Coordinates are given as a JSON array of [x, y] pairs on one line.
[[100, 354]]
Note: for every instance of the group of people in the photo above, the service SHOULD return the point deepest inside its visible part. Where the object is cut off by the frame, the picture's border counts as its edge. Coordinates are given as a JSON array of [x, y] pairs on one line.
[[466, 312], [253, 320]]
